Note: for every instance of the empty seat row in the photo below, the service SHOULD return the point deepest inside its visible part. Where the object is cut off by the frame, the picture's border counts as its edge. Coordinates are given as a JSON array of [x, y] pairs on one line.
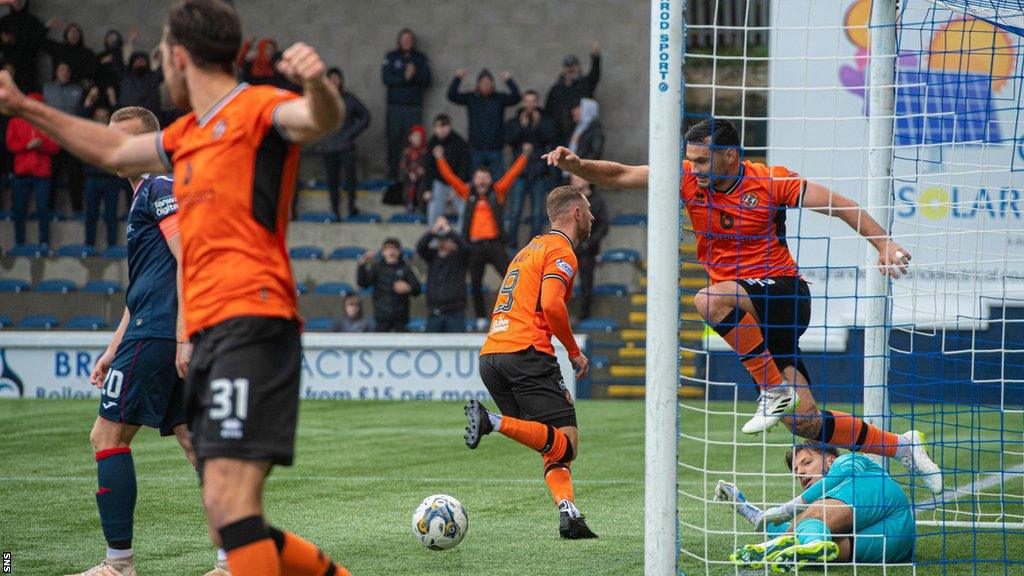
[[61, 286], [47, 322], [68, 251]]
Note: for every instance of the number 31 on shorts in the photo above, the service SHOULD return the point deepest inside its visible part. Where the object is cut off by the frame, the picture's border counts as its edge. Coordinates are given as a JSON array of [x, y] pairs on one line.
[[229, 398]]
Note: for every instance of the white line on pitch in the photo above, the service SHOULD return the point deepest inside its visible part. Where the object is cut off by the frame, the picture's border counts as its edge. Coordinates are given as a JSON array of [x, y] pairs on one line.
[[986, 481], [332, 479]]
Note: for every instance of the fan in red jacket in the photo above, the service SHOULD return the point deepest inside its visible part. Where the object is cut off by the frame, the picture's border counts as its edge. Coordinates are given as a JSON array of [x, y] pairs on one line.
[[33, 155]]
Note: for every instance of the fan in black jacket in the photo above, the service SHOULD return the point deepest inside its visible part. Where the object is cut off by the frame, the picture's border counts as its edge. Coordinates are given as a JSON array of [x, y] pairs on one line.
[[393, 282], [447, 257], [588, 250], [457, 152], [339, 147]]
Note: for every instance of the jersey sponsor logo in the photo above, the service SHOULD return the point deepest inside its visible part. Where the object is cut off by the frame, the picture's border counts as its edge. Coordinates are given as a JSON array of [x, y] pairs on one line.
[[749, 200], [164, 206], [565, 267], [499, 325]]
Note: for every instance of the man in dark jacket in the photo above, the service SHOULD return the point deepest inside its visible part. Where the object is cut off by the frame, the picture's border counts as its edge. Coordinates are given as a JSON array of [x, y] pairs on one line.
[[567, 91], [529, 125], [486, 110], [74, 53], [339, 147], [588, 250], [447, 257], [141, 85], [22, 36], [393, 282], [406, 73], [457, 152]]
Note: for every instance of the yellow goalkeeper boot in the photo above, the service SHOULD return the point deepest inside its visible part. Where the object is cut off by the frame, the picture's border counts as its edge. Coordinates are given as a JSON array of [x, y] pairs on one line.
[[756, 555], [796, 556]]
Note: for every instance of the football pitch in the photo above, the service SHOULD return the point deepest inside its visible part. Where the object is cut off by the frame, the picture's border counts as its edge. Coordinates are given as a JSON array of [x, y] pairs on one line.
[[361, 469]]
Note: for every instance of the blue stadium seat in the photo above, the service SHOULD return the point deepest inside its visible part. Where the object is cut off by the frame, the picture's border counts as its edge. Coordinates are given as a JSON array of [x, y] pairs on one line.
[[334, 289], [600, 362], [409, 253], [77, 216], [323, 217], [86, 323], [75, 251], [417, 325], [348, 253], [102, 287], [6, 322], [5, 215], [364, 218], [630, 220], [597, 325], [617, 290], [306, 253], [316, 184], [366, 292], [301, 289], [470, 324], [374, 185], [407, 218], [320, 324], [115, 253], [14, 285], [30, 251], [39, 322], [576, 290], [56, 285], [627, 255]]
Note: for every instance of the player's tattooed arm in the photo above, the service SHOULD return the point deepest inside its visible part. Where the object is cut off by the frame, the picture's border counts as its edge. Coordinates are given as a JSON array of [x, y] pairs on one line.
[[599, 172], [320, 110]]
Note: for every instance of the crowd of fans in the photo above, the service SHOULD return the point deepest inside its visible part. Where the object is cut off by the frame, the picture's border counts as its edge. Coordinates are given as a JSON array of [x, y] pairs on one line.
[[473, 203]]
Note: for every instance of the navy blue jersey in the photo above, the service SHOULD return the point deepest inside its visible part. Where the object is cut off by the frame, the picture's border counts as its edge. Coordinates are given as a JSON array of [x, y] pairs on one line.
[[152, 298]]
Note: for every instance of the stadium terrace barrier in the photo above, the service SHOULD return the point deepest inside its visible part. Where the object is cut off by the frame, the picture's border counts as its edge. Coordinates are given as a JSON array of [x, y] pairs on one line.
[[334, 366]]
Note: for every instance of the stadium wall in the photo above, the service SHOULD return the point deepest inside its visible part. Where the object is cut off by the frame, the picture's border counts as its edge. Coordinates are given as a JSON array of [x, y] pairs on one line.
[[529, 38]]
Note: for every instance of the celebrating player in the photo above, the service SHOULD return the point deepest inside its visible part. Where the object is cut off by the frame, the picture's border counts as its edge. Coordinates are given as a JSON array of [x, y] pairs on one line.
[[850, 510], [757, 300], [517, 362], [234, 159], [140, 383]]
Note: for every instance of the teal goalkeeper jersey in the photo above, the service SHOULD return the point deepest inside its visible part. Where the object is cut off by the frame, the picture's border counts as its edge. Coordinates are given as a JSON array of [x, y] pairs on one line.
[[857, 480]]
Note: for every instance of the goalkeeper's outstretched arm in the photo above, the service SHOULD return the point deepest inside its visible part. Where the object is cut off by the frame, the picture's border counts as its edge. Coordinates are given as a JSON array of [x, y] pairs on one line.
[[599, 172]]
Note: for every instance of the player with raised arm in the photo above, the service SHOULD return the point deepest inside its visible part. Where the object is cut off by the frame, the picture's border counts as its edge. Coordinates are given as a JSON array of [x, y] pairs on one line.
[[138, 377], [517, 361], [234, 158], [757, 300], [850, 510]]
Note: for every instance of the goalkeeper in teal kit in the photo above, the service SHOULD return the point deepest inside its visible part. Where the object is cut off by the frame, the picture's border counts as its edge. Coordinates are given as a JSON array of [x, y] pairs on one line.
[[851, 510]]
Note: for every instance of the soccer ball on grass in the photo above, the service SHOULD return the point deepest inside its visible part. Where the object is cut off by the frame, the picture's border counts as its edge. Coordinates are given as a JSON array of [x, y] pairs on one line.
[[440, 522]]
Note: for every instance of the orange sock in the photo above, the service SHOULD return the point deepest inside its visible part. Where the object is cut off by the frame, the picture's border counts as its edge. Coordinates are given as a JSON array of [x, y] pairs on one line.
[[251, 551], [558, 479], [545, 439], [744, 336], [845, 431], [300, 557]]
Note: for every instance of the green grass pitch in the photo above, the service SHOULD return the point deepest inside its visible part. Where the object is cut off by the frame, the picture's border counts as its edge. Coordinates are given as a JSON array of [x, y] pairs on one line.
[[362, 467]]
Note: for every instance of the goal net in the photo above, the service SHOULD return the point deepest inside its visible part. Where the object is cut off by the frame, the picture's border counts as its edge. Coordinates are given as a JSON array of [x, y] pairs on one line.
[[913, 110]]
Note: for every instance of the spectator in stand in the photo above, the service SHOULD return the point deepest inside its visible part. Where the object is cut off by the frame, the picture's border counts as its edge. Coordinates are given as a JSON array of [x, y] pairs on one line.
[[72, 51], [339, 147], [354, 319], [33, 167], [141, 85], [568, 89], [588, 250], [482, 221], [262, 67], [587, 140], [438, 194], [486, 110], [102, 187], [393, 282], [111, 66], [529, 125], [22, 36], [413, 170], [446, 255], [406, 73], [65, 94]]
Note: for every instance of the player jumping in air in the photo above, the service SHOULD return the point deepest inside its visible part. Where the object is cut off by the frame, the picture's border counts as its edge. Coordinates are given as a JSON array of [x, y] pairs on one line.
[[140, 381], [517, 362], [757, 300], [234, 159], [850, 510]]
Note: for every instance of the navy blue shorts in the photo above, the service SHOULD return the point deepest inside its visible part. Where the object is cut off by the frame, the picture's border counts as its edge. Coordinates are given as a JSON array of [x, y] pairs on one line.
[[143, 388]]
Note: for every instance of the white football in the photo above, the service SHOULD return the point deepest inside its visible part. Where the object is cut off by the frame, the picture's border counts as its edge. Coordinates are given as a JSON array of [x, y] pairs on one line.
[[440, 522]]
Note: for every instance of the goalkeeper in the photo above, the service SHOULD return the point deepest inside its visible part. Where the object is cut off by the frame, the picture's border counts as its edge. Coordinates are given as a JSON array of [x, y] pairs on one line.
[[850, 510]]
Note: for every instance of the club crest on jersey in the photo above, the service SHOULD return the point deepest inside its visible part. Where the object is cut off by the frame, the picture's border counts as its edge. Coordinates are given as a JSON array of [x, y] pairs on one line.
[[219, 129], [565, 267], [749, 200]]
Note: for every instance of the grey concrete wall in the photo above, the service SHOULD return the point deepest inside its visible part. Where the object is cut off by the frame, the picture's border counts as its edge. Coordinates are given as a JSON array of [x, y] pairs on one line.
[[529, 38]]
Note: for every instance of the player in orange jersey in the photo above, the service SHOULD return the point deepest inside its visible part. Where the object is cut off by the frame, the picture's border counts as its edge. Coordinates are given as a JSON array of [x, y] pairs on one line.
[[757, 300], [517, 361], [234, 158]]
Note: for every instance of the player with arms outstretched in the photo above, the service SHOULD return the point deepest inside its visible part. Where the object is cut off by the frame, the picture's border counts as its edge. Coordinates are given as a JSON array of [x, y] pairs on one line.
[[517, 361], [757, 300], [850, 510], [234, 159]]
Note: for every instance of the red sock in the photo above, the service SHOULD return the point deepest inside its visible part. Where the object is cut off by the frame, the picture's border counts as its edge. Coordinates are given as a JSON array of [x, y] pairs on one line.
[[545, 439], [845, 431], [558, 479], [300, 557], [744, 336]]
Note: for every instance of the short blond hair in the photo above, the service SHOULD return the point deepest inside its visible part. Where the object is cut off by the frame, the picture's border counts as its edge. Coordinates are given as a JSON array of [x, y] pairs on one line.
[[147, 120], [562, 199]]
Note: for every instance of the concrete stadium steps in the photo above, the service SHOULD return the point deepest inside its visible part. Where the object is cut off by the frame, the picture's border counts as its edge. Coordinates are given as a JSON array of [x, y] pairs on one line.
[[78, 270]]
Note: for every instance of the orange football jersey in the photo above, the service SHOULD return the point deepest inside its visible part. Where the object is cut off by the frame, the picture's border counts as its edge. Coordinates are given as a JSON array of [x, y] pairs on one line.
[[234, 178], [518, 321]]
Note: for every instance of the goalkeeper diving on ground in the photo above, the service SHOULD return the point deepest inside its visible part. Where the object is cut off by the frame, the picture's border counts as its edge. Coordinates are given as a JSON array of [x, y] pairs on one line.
[[756, 298], [850, 510]]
